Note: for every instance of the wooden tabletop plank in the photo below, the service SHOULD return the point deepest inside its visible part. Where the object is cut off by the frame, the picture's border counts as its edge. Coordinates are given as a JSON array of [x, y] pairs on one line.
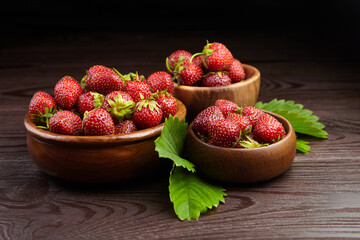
[[318, 197]]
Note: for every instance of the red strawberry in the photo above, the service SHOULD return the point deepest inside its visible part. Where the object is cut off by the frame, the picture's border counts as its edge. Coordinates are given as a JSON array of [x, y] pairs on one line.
[[268, 129], [217, 57], [98, 122], [167, 104], [176, 58], [67, 92], [236, 71], [223, 132], [42, 106], [127, 126], [138, 90], [120, 105], [198, 60], [216, 80], [88, 101], [203, 119], [188, 73], [253, 114], [65, 122], [226, 106], [243, 122], [102, 80], [147, 114], [160, 81]]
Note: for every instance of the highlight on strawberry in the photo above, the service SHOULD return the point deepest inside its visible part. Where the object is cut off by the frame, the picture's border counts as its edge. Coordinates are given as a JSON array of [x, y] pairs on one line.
[[225, 124], [214, 66], [105, 102]]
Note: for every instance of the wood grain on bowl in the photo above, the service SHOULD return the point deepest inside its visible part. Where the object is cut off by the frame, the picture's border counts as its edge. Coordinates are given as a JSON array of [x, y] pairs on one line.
[[96, 159], [241, 166], [244, 93]]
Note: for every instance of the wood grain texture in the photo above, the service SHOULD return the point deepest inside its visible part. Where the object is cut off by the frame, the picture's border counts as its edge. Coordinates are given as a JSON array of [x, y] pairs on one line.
[[318, 197]]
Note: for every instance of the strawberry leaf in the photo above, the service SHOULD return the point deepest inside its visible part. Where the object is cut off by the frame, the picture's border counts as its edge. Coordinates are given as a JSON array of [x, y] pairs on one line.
[[191, 195], [302, 146], [171, 141], [302, 120]]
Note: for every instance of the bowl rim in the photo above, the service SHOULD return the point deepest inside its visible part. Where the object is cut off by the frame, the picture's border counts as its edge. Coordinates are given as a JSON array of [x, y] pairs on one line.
[[139, 135], [289, 133], [246, 81]]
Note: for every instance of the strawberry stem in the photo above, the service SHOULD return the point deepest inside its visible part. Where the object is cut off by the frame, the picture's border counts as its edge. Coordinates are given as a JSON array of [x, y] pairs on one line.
[[195, 55]]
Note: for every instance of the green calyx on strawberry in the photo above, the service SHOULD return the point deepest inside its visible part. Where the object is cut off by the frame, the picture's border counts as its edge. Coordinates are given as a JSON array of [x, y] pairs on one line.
[[88, 101], [120, 105], [41, 108], [177, 58], [248, 142], [131, 77]]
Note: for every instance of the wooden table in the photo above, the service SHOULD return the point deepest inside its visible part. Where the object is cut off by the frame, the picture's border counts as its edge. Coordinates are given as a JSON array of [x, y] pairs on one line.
[[318, 197]]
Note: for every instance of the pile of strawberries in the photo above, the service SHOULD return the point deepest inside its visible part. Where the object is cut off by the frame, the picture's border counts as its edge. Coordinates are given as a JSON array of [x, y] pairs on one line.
[[105, 102], [214, 66], [227, 125]]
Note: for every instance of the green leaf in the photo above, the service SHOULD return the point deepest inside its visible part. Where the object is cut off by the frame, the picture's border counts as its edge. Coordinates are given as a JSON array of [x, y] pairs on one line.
[[302, 146], [302, 120], [171, 141], [191, 195]]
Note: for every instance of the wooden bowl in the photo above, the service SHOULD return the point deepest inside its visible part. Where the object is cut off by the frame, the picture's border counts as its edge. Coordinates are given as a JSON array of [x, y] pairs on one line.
[[96, 159], [244, 93], [241, 166]]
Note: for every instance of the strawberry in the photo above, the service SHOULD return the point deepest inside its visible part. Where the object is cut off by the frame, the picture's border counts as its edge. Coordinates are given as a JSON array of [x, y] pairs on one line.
[[223, 132], [216, 57], [147, 114], [120, 105], [167, 103], [138, 90], [102, 80], [42, 106], [236, 71], [98, 122], [198, 60], [188, 73], [226, 106], [67, 92], [65, 122], [88, 101], [176, 58], [253, 114], [216, 79], [127, 126], [268, 129], [203, 119], [160, 81], [243, 122]]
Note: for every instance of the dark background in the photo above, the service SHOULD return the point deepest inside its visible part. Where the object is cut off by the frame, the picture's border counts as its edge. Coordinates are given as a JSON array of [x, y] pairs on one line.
[[332, 26]]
